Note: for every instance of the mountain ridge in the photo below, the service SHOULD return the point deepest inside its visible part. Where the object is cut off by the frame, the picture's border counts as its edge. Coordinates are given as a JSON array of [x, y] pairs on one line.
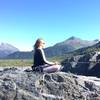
[[6, 49], [68, 45], [56, 50]]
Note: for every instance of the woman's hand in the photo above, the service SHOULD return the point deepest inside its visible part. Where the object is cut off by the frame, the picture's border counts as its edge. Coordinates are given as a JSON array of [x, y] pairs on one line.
[[56, 63]]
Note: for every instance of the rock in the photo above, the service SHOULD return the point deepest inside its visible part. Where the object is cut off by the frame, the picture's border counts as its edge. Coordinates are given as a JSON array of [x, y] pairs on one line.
[[88, 64], [16, 84]]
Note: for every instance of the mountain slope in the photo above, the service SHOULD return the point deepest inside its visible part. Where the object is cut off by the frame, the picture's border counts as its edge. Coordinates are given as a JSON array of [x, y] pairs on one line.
[[6, 49], [90, 49], [20, 55], [71, 44], [85, 61], [58, 49], [77, 42]]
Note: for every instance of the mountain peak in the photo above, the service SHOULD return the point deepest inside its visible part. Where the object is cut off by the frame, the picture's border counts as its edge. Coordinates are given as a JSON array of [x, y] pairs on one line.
[[2, 43], [96, 40], [73, 38], [6, 46], [6, 49]]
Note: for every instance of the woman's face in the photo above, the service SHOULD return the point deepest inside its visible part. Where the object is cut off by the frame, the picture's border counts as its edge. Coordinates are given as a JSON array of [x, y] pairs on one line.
[[42, 43]]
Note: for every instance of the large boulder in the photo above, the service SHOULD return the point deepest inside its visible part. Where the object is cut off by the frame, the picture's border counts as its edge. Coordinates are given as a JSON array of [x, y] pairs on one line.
[[87, 64], [16, 84]]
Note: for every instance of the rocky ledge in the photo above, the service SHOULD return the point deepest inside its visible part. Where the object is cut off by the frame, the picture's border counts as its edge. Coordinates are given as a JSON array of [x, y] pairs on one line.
[[86, 64], [17, 84]]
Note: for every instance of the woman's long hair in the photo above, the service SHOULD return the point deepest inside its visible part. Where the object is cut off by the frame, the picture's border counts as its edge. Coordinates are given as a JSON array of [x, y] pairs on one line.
[[37, 43]]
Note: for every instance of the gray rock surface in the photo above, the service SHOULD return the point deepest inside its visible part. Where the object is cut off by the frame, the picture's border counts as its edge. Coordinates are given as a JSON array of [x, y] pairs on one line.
[[87, 64], [16, 84]]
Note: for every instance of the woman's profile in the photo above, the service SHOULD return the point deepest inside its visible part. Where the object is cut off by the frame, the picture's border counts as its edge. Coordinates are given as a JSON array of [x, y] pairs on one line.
[[40, 61]]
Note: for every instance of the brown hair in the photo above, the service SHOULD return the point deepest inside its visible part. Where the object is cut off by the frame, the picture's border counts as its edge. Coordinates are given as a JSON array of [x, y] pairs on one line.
[[37, 43]]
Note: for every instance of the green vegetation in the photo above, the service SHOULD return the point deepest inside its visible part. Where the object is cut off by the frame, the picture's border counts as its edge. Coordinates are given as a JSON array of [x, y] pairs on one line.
[[15, 62], [82, 51], [29, 62], [57, 58], [23, 62]]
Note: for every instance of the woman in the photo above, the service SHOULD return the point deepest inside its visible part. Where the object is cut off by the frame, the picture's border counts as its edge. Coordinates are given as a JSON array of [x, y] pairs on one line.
[[40, 61]]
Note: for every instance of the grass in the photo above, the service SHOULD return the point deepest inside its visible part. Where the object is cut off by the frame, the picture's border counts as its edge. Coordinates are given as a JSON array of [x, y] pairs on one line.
[[25, 62], [57, 58], [22, 62], [15, 62]]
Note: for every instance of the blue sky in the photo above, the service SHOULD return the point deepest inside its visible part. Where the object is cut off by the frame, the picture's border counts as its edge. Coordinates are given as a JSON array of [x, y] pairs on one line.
[[23, 21]]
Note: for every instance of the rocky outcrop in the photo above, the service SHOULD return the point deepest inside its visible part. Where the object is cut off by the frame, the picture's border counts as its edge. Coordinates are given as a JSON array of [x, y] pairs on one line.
[[88, 64], [16, 84]]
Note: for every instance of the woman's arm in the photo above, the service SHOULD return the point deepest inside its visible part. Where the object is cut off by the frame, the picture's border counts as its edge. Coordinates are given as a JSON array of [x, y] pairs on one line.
[[44, 58]]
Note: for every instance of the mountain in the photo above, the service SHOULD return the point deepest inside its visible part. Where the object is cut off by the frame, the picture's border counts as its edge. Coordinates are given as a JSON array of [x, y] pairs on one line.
[[86, 50], [6, 49], [71, 44], [20, 55], [77, 43], [85, 61]]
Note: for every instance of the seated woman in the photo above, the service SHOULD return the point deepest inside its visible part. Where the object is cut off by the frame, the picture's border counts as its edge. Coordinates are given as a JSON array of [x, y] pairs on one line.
[[40, 61]]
